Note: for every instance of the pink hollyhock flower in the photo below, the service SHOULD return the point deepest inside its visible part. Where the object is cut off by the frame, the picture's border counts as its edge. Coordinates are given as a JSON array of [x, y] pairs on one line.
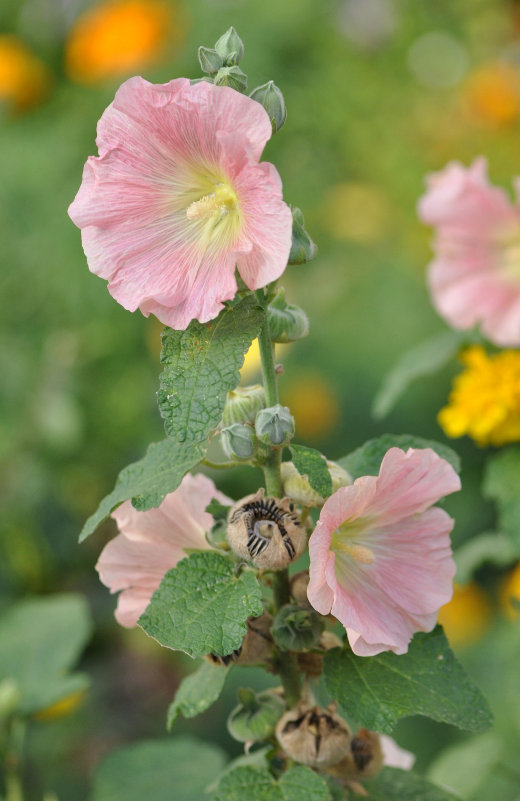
[[177, 199], [394, 756], [381, 559], [475, 276], [152, 542]]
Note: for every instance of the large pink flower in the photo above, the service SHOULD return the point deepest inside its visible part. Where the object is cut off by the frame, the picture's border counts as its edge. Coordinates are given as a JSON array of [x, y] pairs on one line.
[[475, 276], [152, 542], [177, 199], [380, 556]]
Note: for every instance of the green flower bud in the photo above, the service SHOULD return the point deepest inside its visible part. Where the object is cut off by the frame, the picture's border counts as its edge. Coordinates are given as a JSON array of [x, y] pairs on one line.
[[303, 248], [230, 47], [297, 628], [243, 404], [271, 98], [256, 716], [210, 61], [233, 77], [238, 441], [287, 322], [275, 425], [298, 488]]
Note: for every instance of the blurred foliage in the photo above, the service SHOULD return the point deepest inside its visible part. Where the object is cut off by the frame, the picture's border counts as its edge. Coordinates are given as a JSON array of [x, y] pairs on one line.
[[378, 93]]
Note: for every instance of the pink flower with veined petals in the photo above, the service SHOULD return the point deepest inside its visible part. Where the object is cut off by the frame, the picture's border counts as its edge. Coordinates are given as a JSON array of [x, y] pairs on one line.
[[177, 199], [152, 542], [475, 276], [381, 558]]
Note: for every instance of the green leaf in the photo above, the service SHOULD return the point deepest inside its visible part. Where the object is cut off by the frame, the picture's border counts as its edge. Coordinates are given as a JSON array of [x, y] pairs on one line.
[[312, 463], [465, 766], [489, 548], [377, 691], [161, 770], [217, 510], [202, 365], [366, 460], [424, 359], [256, 784], [201, 606], [147, 481], [393, 784], [501, 483], [40, 640], [197, 692]]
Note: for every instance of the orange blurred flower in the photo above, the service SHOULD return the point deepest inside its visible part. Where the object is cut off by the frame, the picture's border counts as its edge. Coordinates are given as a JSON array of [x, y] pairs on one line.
[[115, 38], [467, 616], [492, 93], [314, 406], [24, 79]]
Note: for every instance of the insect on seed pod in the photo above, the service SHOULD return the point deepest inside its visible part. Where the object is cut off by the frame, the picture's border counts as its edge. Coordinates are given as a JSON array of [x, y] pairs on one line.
[[314, 736], [266, 530]]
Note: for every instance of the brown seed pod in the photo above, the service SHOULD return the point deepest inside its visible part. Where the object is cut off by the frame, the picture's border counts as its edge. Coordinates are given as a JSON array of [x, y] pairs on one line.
[[311, 663], [256, 648], [314, 736], [364, 760], [299, 584], [266, 531]]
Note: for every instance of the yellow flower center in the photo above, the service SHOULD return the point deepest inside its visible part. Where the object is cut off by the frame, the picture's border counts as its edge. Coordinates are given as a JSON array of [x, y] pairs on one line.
[[217, 204], [344, 541]]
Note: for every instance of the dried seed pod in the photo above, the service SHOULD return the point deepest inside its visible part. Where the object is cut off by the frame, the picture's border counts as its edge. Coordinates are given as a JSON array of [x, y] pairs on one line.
[[364, 760], [314, 736], [257, 645], [311, 663], [266, 531]]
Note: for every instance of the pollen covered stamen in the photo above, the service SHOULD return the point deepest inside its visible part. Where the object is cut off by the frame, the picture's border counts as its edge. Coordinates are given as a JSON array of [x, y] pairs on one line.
[[343, 542], [219, 203]]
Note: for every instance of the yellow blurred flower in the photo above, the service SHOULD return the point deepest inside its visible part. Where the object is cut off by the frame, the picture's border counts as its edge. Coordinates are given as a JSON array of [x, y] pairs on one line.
[[357, 212], [115, 38], [252, 366], [485, 400], [66, 706], [314, 406], [509, 591], [467, 616], [24, 78], [492, 93]]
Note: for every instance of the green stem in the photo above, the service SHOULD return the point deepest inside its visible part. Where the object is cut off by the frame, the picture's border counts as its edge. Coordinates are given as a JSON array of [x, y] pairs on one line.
[[13, 761], [287, 662]]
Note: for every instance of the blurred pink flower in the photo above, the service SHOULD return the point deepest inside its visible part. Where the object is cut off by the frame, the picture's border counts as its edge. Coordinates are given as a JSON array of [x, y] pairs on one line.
[[475, 276], [177, 199], [152, 542], [381, 559], [394, 756]]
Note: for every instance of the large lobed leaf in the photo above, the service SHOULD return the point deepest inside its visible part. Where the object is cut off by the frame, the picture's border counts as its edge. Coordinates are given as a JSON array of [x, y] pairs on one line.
[[501, 483], [40, 640], [197, 692], [366, 460], [427, 680], [201, 606]]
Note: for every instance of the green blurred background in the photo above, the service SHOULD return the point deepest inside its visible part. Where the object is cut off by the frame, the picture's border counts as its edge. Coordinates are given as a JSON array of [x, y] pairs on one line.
[[379, 92]]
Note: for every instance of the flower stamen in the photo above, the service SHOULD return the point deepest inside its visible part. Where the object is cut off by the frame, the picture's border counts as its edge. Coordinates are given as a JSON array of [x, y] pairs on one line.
[[220, 202]]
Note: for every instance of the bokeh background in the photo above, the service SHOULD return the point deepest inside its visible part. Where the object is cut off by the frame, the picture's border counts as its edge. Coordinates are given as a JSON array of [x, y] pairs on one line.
[[379, 92]]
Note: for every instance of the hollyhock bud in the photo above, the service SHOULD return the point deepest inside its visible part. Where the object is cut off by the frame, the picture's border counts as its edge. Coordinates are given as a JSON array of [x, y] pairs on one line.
[[271, 98], [210, 61], [233, 77], [297, 628], [275, 425], [266, 531], [256, 716], [238, 441], [314, 736], [243, 404], [287, 322], [230, 47], [303, 248]]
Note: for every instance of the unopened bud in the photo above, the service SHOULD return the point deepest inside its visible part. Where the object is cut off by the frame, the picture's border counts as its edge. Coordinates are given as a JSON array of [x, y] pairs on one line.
[[364, 759], [287, 322], [238, 441], [314, 736], [303, 248], [275, 425], [266, 531], [297, 486], [297, 628], [271, 98], [210, 61], [243, 404], [255, 717], [230, 47], [233, 77]]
